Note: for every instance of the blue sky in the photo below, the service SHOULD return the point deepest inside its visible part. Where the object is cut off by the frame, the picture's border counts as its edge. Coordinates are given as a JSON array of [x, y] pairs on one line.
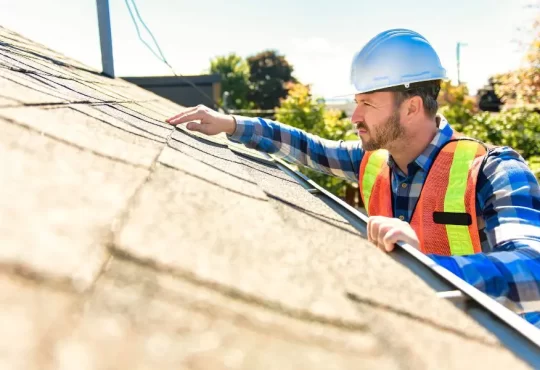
[[318, 38]]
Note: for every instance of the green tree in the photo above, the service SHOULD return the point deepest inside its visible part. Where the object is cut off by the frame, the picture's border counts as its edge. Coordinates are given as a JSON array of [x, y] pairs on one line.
[[234, 72], [269, 75], [518, 128], [300, 109]]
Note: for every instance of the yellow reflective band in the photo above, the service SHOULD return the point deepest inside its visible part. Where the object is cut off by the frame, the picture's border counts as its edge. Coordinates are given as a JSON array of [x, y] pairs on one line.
[[373, 168], [459, 238]]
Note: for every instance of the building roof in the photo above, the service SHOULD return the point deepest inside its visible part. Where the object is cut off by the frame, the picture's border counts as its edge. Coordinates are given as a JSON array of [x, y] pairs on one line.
[[127, 243]]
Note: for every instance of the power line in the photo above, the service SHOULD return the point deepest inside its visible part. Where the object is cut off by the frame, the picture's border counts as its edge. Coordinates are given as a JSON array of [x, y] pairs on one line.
[[161, 56]]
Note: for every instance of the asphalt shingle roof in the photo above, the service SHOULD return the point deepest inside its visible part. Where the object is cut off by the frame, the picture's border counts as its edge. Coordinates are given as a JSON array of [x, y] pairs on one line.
[[127, 243]]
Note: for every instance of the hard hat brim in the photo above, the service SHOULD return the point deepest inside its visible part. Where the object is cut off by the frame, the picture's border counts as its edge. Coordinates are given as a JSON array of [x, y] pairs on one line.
[[391, 87]]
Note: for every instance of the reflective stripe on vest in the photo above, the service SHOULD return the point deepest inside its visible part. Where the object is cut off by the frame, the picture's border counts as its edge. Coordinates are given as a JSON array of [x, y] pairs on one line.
[[445, 215], [459, 238]]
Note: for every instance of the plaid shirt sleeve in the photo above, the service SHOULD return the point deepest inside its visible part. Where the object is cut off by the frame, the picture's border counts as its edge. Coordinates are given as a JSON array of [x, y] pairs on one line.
[[509, 196], [337, 158]]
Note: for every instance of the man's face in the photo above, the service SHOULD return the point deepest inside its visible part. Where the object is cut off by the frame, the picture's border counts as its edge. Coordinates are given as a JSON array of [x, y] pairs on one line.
[[377, 121]]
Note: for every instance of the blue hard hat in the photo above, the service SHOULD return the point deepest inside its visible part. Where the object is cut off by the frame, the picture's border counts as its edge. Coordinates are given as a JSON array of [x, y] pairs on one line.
[[396, 57]]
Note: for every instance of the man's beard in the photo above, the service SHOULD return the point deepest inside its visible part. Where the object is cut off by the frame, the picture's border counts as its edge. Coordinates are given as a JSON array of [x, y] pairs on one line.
[[381, 136]]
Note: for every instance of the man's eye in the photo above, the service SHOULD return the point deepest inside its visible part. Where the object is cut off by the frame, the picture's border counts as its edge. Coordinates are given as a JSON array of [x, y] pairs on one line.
[[365, 103]]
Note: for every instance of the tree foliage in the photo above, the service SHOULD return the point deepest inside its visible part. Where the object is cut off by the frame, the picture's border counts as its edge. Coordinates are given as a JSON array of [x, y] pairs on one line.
[[270, 73], [234, 72], [518, 128], [258, 82], [300, 110]]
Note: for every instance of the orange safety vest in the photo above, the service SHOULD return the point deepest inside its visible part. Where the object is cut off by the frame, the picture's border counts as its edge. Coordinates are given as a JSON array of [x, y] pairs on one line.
[[444, 218]]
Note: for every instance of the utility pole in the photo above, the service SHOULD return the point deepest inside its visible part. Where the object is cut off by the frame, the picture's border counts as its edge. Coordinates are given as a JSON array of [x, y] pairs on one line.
[[458, 59], [104, 21]]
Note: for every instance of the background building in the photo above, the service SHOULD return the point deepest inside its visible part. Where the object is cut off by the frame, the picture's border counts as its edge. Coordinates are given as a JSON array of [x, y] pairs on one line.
[[186, 90]]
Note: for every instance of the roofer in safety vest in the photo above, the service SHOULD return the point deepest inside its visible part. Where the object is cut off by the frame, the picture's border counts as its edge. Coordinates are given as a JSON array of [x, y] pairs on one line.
[[474, 210]]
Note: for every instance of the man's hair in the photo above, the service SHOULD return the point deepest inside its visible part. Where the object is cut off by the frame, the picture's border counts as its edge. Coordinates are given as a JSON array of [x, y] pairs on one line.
[[428, 91]]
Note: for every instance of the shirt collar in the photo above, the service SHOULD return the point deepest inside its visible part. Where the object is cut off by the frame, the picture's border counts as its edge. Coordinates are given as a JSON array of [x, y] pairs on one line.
[[425, 159]]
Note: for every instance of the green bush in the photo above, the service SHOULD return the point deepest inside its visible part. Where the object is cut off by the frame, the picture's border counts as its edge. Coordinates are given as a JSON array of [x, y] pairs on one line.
[[518, 128], [534, 163], [459, 116]]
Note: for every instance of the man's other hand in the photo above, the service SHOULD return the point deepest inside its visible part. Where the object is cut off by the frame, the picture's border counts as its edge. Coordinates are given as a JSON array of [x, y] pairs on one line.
[[210, 121], [384, 232]]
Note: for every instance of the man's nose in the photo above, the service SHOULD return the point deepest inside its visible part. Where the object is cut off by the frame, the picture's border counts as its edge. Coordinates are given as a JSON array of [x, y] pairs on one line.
[[358, 114]]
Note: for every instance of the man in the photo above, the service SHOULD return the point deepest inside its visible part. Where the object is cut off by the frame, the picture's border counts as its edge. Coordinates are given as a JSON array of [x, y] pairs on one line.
[[474, 210]]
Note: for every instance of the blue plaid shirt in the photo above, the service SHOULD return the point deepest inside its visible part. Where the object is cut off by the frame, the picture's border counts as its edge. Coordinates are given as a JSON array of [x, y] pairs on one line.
[[508, 204]]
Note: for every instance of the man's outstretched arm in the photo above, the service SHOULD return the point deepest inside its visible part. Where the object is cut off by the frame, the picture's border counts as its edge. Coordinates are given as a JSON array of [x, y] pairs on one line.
[[337, 158]]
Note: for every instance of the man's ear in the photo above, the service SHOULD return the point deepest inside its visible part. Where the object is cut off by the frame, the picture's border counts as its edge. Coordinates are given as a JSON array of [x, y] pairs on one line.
[[415, 106]]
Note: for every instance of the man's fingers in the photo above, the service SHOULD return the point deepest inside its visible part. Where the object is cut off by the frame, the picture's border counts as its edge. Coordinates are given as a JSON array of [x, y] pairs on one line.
[[186, 117], [200, 127], [383, 230], [391, 238], [188, 110], [191, 114], [194, 126], [373, 228]]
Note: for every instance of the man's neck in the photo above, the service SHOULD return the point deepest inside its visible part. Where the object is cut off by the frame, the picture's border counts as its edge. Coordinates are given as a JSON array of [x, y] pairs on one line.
[[411, 145]]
